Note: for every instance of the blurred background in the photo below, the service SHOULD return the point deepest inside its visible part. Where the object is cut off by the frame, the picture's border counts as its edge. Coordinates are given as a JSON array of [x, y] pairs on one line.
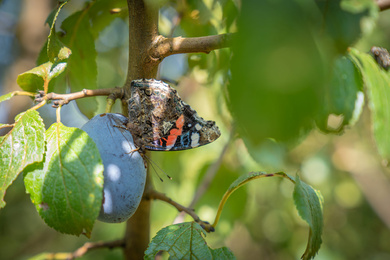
[[259, 220]]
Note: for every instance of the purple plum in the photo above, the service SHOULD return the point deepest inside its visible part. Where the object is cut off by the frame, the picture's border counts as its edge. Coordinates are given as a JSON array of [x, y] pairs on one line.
[[124, 170]]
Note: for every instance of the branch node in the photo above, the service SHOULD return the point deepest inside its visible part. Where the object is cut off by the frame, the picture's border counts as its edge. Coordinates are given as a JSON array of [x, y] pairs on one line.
[[63, 99]]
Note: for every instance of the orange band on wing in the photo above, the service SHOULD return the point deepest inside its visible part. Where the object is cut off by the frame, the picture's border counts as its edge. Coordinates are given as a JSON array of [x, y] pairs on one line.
[[174, 133]]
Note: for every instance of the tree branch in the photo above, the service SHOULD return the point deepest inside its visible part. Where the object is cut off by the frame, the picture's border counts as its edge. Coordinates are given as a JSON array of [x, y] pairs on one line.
[[165, 47], [86, 248], [153, 194], [143, 22], [138, 227], [143, 63], [63, 99], [383, 4]]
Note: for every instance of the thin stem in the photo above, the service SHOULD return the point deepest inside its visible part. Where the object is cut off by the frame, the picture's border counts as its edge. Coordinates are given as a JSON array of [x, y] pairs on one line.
[[63, 99], [23, 93], [58, 114], [6, 125], [85, 248], [165, 47], [112, 97], [109, 105], [41, 104], [161, 196]]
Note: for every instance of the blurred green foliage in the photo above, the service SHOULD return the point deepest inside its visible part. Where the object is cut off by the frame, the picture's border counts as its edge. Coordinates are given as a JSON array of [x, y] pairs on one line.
[[280, 73]]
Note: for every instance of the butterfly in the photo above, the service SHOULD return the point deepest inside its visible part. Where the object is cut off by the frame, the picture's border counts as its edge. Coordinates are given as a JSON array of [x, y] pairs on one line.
[[161, 121]]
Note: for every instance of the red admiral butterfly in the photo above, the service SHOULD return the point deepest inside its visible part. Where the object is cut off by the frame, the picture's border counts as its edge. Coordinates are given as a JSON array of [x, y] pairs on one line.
[[160, 121]]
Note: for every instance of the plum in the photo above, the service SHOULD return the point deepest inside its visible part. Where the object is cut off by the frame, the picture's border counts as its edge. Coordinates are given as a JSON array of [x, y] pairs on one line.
[[124, 170]]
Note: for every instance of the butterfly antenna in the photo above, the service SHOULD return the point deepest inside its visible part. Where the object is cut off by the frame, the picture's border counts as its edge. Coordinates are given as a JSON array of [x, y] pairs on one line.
[[152, 162]]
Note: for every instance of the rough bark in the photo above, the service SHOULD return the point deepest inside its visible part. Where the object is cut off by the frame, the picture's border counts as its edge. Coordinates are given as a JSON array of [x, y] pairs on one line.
[[143, 22], [146, 50]]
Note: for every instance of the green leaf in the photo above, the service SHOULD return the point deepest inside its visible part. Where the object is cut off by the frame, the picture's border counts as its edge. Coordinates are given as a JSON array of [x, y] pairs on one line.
[[230, 12], [271, 155], [34, 79], [7, 96], [343, 96], [307, 200], [42, 57], [222, 253], [101, 17], [39, 77], [23, 145], [82, 68], [278, 71], [52, 17], [15, 93], [185, 241], [196, 20], [56, 50], [377, 83], [41, 256], [346, 21], [67, 187], [309, 205]]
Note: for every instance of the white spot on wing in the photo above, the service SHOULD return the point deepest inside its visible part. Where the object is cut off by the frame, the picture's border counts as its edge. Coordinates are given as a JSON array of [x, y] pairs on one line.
[[198, 127], [195, 139]]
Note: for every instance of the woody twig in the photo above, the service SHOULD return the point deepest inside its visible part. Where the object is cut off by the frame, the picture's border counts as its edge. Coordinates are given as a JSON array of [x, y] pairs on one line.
[[86, 248], [164, 47], [153, 194], [63, 99]]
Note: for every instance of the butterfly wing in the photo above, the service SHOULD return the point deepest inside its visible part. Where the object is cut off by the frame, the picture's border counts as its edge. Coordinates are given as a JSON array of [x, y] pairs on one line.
[[189, 131], [163, 122]]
